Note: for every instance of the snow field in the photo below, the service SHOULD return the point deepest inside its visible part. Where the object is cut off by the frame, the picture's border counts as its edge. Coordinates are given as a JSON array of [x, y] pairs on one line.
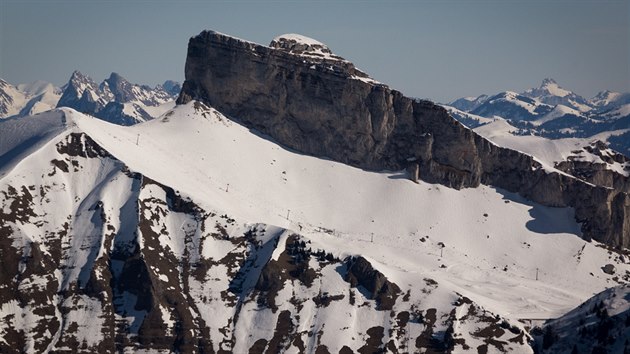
[[223, 166]]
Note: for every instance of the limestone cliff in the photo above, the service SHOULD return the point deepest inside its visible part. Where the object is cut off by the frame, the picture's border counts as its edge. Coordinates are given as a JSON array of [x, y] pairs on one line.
[[310, 100]]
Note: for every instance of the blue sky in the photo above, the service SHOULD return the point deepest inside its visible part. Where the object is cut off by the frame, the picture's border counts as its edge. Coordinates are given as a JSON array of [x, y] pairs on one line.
[[430, 49]]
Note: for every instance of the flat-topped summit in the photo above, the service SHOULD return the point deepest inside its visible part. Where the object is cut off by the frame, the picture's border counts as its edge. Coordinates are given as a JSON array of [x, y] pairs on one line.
[[303, 45]]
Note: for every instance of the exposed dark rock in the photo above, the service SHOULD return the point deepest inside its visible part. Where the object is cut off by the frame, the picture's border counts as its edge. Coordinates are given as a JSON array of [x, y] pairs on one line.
[[291, 264], [609, 269], [326, 107], [598, 173], [81, 145], [280, 340], [361, 273], [374, 342]]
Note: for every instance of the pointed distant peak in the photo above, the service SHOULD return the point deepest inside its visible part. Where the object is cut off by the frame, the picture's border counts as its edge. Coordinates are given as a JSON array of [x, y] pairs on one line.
[[115, 77], [78, 79], [77, 75], [548, 87], [548, 82]]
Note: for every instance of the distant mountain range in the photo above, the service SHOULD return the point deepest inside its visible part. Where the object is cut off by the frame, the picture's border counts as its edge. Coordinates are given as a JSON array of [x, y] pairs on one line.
[[115, 99], [24, 100], [553, 112]]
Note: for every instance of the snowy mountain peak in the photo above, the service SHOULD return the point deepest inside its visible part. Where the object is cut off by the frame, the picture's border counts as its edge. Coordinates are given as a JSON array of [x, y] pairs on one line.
[[302, 45], [548, 81], [551, 93], [550, 87], [27, 99], [120, 87], [79, 82], [116, 99], [83, 94], [609, 98], [78, 76], [114, 76]]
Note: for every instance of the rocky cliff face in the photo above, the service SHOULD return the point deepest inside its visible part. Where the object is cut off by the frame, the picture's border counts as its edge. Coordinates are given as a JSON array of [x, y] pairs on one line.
[[320, 104]]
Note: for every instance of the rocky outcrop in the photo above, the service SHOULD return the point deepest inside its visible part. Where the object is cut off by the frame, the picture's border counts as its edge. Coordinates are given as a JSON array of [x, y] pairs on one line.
[[324, 106], [611, 171], [361, 273]]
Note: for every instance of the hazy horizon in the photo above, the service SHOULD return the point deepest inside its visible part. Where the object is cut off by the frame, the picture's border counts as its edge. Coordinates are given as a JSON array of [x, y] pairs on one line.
[[438, 50]]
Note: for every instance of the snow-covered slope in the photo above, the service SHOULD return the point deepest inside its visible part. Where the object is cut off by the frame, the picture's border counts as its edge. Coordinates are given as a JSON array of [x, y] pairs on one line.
[[317, 192], [43, 96], [27, 99], [467, 104], [11, 99], [21, 136], [468, 119], [599, 325], [607, 100], [513, 105], [558, 111], [409, 265], [552, 152], [617, 112]]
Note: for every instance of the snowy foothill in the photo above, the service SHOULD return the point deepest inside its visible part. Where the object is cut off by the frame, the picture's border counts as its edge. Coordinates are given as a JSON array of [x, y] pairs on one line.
[[557, 112], [549, 151], [495, 242]]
